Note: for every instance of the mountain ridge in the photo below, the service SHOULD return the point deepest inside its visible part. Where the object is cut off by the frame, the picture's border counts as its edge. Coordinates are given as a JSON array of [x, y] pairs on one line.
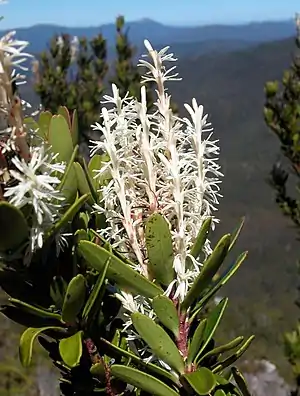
[[160, 34]]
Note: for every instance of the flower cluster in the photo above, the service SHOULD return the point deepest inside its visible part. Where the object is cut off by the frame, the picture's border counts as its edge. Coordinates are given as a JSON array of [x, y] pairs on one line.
[[158, 163], [28, 171]]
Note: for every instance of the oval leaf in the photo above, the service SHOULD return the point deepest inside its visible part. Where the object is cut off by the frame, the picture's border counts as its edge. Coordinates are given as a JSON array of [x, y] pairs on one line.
[[202, 381], [14, 229], [142, 381], [26, 342], [70, 349], [158, 340], [166, 313], [219, 392], [44, 124], [210, 268], [118, 271], [160, 249], [59, 137], [74, 299], [98, 370]]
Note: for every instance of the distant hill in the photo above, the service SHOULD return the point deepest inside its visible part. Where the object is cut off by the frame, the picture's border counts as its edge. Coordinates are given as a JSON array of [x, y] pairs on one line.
[[160, 34]]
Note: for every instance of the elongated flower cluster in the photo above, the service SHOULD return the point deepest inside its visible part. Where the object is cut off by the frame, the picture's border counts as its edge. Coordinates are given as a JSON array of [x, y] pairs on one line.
[[158, 163]]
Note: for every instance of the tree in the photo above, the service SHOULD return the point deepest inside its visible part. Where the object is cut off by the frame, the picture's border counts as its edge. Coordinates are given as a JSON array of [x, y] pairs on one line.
[[127, 75], [282, 116], [72, 74]]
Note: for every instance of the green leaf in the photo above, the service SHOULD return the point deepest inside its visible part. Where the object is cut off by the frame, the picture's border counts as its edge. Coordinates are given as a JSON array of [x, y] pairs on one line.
[[223, 348], [67, 216], [119, 272], [236, 234], [44, 124], [74, 299], [202, 381], [70, 349], [74, 128], [96, 163], [153, 368], [26, 342], [83, 185], [210, 268], [98, 370], [69, 166], [14, 229], [90, 181], [240, 381], [222, 280], [160, 249], [60, 138], [69, 187], [213, 322], [141, 380], [95, 292], [81, 235], [219, 392], [221, 380], [234, 357], [158, 340], [62, 110], [43, 313], [166, 313], [196, 341], [201, 238]]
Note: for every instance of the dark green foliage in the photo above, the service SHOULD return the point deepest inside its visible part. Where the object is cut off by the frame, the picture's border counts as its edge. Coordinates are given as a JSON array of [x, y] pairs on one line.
[[282, 115], [74, 82], [127, 75]]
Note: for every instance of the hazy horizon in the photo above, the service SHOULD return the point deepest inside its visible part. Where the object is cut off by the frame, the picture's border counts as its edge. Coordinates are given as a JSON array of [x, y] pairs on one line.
[[192, 12]]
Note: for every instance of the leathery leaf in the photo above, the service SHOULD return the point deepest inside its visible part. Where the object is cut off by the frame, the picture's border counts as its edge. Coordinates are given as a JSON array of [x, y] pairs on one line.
[[210, 268], [141, 380], [202, 381], [159, 341], [26, 342], [74, 299], [160, 249], [70, 349], [166, 313], [118, 271]]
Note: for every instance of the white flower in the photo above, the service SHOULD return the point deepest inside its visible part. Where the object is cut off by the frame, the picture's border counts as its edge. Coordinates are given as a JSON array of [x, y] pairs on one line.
[[158, 163], [35, 185]]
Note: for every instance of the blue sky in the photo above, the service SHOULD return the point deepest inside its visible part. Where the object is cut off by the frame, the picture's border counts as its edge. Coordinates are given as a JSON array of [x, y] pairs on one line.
[[96, 12]]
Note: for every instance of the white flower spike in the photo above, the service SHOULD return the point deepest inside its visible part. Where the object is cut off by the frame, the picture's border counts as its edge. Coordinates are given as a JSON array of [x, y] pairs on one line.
[[158, 163]]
